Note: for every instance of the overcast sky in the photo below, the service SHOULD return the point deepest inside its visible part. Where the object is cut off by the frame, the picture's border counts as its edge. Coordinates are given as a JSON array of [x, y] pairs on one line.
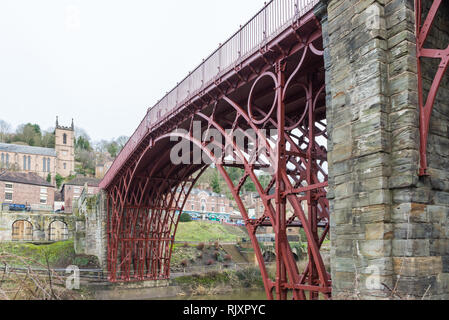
[[104, 62]]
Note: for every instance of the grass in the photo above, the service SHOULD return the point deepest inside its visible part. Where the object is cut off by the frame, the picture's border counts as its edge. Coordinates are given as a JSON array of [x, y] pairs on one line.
[[59, 254], [201, 231], [214, 283]]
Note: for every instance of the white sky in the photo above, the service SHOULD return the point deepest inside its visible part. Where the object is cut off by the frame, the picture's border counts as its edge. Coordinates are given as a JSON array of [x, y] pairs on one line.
[[104, 62]]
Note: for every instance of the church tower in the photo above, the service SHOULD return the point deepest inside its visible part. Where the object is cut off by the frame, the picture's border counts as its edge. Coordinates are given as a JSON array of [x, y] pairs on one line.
[[65, 149]]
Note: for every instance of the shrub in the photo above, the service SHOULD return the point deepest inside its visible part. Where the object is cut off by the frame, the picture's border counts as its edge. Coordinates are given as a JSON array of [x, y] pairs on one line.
[[59, 179], [200, 246], [185, 217]]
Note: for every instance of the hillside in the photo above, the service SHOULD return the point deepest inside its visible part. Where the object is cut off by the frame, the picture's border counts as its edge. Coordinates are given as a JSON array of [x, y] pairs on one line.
[[203, 231]]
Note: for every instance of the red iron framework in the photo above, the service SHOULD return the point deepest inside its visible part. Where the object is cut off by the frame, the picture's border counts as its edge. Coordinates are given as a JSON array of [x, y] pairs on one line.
[[426, 107], [279, 87]]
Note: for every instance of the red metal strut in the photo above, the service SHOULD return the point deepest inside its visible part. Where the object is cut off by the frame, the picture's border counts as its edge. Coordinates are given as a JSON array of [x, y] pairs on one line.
[[422, 32]]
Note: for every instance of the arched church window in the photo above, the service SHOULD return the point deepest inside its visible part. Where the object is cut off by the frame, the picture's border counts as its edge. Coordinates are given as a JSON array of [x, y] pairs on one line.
[[64, 138]]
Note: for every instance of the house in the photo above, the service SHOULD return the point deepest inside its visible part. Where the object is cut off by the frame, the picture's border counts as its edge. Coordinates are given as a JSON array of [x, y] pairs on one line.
[[71, 191], [102, 168], [26, 189], [208, 205]]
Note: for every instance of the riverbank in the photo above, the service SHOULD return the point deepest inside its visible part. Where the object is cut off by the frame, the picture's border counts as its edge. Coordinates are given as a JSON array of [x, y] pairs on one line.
[[211, 285], [214, 283]]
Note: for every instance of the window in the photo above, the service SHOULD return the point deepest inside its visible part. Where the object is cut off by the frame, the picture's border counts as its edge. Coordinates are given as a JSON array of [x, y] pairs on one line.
[[90, 190], [203, 205], [65, 166], [29, 162], [8, 196], [24, 162], [44, 164], [76, 190], [48, 164], [43, 195], [64, 138], [193, 207], [222, 209], [8, 185], [7, 160], [3, 160], [213, 208]]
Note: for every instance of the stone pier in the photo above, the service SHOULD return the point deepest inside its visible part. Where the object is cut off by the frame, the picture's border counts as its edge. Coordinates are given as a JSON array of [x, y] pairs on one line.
[[389, 227]]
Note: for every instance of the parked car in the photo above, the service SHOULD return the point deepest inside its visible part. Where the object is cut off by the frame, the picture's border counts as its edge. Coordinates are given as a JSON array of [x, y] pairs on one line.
[[19, 207], [62, 210]]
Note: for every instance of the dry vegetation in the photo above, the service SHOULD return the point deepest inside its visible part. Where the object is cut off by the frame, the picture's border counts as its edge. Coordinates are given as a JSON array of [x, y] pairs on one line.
[[28, 284]]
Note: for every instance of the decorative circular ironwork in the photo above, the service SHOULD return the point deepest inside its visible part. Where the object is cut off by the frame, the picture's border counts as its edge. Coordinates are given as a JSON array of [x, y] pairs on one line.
[[250, 99], [306, 108]]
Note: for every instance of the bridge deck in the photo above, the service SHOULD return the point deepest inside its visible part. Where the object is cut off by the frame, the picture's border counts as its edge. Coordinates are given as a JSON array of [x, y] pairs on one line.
[[241, 49]]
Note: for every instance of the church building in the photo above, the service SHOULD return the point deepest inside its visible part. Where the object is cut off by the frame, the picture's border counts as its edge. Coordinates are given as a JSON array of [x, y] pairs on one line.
[[42, 161]]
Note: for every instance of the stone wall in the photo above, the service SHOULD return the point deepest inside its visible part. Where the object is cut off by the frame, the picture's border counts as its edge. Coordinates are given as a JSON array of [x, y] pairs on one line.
[[388, 226], [40, 221], [91, 234]]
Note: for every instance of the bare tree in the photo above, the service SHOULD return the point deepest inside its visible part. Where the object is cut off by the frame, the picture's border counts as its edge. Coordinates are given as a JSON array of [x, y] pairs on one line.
[[80, 132], [5, 130], [121, 142]]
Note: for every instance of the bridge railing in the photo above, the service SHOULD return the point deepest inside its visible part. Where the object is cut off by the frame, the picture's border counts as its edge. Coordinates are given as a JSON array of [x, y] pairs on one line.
[[262, 28]]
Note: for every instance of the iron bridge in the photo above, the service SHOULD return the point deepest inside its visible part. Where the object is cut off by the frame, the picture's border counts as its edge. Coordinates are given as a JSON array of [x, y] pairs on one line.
[[268, 77]]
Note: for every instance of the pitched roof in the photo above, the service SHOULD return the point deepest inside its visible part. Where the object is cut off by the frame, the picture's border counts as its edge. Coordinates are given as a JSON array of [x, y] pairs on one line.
[[81, 181], [14, 148], [24, 178]]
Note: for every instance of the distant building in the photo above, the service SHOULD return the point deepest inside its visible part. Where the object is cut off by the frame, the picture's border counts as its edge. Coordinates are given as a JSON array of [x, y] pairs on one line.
[[42, 161], [25, 159], [65, 149], [71, 191], [102, 168], [27, 189], [256, 209], [253, 204], [208, 205]]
